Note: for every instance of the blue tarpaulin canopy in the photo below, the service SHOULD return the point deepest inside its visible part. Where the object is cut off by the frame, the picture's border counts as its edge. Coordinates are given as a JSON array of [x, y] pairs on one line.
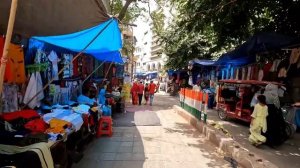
[[105, 47], [263, 42], [204, 62]]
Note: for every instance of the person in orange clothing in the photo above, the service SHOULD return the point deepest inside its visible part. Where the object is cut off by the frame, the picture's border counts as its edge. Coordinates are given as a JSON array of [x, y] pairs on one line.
[[152, 90], [134, 93], [140, 92]]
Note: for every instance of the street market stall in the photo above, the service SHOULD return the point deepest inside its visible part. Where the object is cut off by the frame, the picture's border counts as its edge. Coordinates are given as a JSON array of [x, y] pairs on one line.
[[50, 106]]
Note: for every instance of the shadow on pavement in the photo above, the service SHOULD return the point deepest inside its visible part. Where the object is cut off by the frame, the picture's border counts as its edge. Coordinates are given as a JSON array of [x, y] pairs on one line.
[[286, 155], [124, 149]]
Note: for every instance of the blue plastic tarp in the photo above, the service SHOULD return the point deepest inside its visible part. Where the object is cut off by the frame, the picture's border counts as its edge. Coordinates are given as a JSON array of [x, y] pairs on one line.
[[106, 47], [204, 62], [246, 53]]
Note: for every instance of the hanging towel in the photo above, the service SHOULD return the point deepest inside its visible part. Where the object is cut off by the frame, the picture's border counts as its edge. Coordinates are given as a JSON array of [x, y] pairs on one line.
[[34, 86]]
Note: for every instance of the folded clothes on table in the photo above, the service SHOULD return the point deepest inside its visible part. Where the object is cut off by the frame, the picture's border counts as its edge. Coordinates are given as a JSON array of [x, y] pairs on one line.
[[66, 115]]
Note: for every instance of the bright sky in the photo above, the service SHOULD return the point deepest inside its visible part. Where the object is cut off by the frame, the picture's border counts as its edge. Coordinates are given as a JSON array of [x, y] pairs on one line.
[[141, 22]]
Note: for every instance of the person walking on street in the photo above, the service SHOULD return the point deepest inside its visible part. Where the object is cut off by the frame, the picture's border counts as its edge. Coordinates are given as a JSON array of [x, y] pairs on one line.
[[140, 92], [158, 87], [134, 93], [146, 93], [152, 90]]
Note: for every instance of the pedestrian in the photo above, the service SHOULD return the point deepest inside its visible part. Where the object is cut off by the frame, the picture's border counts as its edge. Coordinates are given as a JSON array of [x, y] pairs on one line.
[[134, 93], [146, 93], [140, 92], [259, 121], [101, 95], [158, 87], [152, 90]]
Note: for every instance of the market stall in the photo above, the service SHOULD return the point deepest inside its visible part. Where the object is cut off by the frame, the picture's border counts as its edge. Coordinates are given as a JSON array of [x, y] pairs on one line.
[[50, 107]]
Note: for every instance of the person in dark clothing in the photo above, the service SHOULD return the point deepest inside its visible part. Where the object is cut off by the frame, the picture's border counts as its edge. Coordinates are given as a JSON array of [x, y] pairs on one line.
[[146, 93], [276, 125]]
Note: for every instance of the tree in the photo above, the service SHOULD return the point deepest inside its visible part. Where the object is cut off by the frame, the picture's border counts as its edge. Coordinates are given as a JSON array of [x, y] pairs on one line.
[[207, 28]]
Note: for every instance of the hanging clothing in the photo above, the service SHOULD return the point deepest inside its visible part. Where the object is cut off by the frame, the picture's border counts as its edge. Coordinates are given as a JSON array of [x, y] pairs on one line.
[[271, 93], [258, 124], [54, 60], [15, 66], [243, 73], [10, 98], [249, 73], [275, 65], [260, 75], [35, 85]]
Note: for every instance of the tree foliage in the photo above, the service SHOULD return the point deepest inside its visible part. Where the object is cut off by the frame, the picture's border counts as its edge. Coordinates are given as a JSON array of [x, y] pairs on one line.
[[207, 28]]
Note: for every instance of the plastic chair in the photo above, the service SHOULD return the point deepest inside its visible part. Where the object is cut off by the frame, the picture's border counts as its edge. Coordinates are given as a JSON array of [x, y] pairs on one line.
[[105, 126]]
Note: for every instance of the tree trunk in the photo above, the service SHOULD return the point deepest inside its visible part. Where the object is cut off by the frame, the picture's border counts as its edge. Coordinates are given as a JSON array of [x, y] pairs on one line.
[[124, 9]]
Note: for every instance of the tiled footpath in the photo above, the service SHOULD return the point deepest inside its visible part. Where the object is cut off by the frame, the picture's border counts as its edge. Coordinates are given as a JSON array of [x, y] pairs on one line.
[[174, 144]]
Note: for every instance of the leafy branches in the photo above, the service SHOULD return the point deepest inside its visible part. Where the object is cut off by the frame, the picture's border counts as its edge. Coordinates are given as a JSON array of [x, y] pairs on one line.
[[208, 28]]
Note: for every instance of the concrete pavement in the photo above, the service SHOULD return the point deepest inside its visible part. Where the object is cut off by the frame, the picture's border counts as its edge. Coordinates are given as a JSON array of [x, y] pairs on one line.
[[284, 156], [174, 144]]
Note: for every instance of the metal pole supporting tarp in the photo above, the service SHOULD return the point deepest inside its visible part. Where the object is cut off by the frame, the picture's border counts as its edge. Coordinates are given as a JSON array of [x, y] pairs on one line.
[[10, 27]]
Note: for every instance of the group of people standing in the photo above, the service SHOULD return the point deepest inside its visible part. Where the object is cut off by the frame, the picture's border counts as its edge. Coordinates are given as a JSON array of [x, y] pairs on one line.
[[139, 89], [267, 125]]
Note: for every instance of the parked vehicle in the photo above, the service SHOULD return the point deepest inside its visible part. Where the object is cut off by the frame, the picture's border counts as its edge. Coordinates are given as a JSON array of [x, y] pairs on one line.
[[234, 98]]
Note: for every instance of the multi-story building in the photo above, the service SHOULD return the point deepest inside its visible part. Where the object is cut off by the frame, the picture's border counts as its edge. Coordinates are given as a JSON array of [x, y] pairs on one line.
[[152, 57]]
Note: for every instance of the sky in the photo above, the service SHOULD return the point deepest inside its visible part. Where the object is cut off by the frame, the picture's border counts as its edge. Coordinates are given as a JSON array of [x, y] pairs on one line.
[[141, 22]]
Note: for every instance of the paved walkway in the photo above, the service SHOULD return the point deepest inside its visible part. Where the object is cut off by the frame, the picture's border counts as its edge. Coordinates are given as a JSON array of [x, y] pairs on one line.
[[286, 155], [174, 144]]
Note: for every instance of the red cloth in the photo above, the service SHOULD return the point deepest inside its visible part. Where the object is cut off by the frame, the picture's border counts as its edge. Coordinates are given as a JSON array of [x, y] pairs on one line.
[[36, 126], [141, 88], [152, 88], [26, 114]]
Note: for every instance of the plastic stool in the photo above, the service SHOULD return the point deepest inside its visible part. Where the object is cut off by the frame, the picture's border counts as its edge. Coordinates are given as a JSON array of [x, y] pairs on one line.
[[105, 126]]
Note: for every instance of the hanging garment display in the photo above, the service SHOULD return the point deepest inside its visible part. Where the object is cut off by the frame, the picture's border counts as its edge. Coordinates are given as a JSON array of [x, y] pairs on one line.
[[54, 60], [17, 64], [237, 74], [68, 65], [260, 75], [41, 58], [249, 73], [15, 68], [243, 73], [275, 65], [10, 98], [35, 85]]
